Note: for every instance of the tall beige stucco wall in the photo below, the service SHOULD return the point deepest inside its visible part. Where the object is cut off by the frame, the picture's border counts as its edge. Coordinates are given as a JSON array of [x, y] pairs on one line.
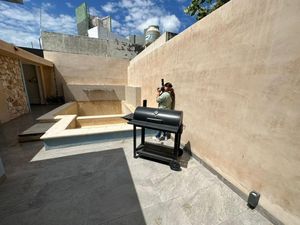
[[87, 69], [49, 81], [236, 75], [13, 101]]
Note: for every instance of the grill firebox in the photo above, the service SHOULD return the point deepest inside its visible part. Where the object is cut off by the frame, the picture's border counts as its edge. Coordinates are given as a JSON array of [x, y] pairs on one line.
[[157, 119]]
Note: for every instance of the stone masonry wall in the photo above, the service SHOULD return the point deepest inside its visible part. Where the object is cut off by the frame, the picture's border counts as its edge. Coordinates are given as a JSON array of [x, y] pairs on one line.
[[12, 92], [111, 48]]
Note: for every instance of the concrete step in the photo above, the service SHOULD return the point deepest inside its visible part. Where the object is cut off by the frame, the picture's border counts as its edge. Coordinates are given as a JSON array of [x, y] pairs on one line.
[[34, 132]]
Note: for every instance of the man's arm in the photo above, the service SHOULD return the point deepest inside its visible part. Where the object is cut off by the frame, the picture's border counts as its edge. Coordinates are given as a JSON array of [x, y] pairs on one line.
[[160, 98]]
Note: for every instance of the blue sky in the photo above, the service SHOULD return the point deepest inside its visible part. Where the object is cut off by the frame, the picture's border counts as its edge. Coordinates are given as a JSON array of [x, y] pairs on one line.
[[20, 24]]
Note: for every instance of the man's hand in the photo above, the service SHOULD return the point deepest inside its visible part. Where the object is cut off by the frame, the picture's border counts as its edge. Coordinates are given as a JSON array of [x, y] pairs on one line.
[[158, 92]]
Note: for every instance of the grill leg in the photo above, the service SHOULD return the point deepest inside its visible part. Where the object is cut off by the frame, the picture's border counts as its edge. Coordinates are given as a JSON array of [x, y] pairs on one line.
[[134, 141], [143, 136], [177, 139], [179, 150], [174, 164]]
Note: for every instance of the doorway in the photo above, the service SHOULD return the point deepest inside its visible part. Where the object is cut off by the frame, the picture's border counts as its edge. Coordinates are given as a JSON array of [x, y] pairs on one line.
[[33, 83]]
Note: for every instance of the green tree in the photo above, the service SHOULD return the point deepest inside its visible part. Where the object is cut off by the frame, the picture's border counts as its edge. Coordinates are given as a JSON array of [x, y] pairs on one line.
[[201, 8]]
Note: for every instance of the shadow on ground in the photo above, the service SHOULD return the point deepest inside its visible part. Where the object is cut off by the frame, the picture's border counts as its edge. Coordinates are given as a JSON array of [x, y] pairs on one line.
[[92, 188]]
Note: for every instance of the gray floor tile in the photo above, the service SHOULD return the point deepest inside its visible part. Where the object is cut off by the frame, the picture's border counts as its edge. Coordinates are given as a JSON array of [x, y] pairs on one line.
[[147, 169], [249, 217], [212, 205], [166, 213], [185, 182], [147, 193]]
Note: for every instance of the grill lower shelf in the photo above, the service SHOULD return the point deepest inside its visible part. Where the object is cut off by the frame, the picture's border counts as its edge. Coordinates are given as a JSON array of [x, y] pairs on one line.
[[159, 152]]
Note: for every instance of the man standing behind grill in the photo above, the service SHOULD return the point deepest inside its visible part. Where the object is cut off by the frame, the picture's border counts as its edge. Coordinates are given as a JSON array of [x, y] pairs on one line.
[[166, 100]]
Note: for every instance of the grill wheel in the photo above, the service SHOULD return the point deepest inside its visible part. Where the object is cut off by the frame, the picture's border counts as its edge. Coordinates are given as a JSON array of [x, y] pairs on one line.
[[174, 165]]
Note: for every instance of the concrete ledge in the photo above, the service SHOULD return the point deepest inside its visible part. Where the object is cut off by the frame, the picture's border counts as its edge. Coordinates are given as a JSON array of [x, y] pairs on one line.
[[127, 108], [71, 129], [92, 121], [58, 128], [133, 95], [62, 134], [72, 108], [100, 116], [63, 128], [69, 141], [50, 116]]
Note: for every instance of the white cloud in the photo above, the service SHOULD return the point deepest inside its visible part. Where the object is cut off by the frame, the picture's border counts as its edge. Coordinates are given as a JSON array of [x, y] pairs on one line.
[[136, 3], [115, 24], [69, 4], [109, 8], [170, 23], [47, 5], [62, 23], [94, 12], [20, 24], [139, 14], [148, 22]]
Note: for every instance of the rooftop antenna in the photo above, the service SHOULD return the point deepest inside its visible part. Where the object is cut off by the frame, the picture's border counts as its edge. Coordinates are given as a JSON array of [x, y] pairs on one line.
[[40, 20], [40, 27]]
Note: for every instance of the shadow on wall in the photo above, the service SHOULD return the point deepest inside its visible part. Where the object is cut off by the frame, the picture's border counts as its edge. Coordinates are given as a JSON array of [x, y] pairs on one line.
[[59, 82], [185, 158], [82, 92], [91, 188], [95, 94]]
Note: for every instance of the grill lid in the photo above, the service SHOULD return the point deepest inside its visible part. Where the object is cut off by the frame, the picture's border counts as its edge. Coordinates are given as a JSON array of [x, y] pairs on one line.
[[160, 119]]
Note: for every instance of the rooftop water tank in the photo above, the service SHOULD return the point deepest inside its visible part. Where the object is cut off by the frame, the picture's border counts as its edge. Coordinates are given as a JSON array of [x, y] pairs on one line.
[[152, 34]]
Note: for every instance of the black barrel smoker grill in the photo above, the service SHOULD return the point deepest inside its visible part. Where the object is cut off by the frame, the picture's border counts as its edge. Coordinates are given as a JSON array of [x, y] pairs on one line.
[[157, 119]]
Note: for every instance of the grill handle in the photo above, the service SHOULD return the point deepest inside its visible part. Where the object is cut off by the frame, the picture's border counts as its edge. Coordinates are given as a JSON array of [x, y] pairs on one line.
[[154, 120]]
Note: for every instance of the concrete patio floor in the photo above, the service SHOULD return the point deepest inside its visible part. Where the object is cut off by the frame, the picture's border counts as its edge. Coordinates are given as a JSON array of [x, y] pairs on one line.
[[103, 184]]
